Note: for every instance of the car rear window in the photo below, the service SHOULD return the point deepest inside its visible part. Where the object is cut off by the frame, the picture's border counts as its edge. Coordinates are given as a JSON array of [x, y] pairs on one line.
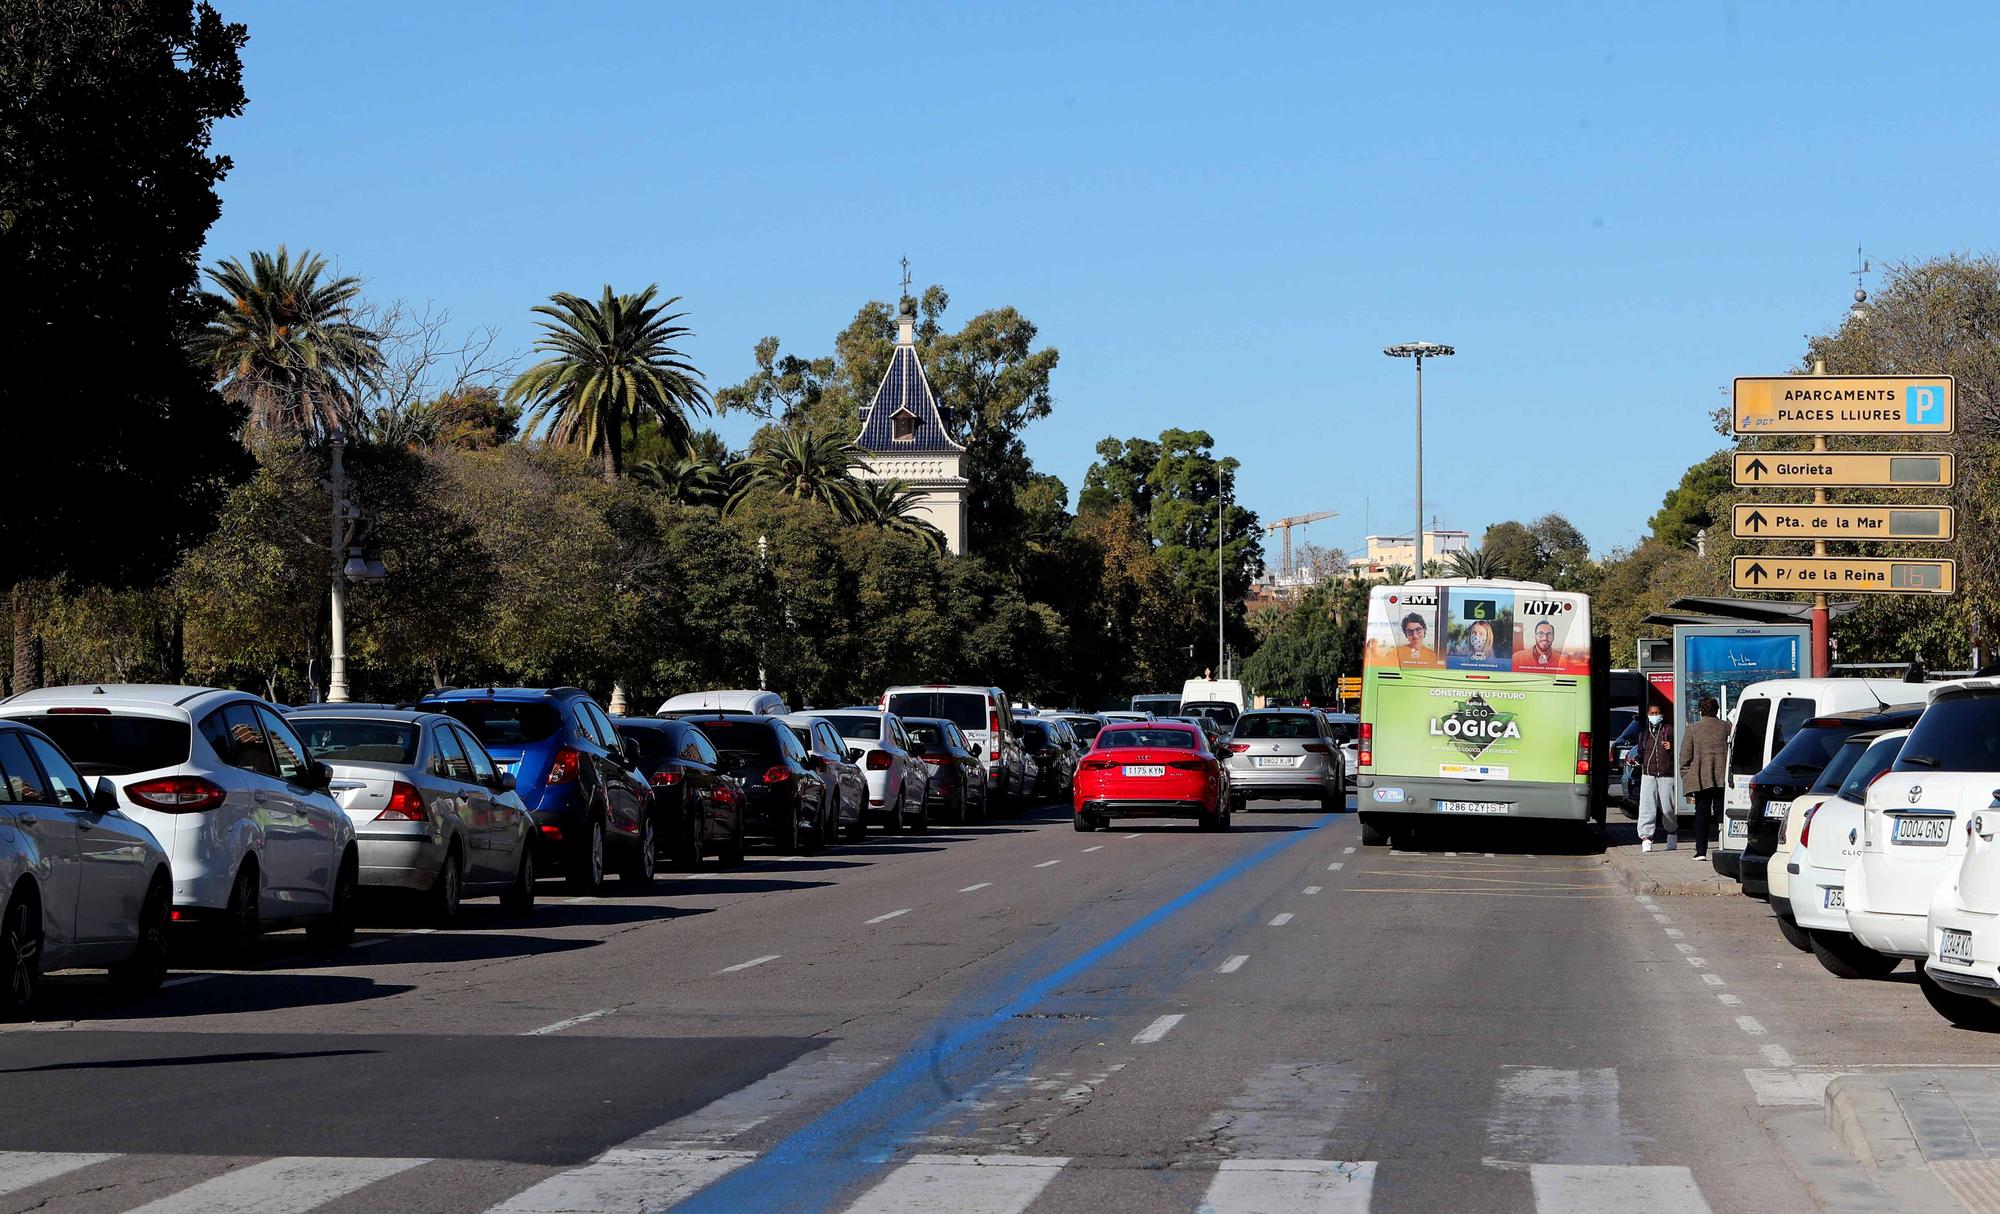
[[1222, 714], [111, 745], [1877, 760], [504, 723], [1811, 747], [1277, 725], [961, 708], [1746, 740], [1087, 729], [742, 743], [653, 743], [1834, 774], [357, 740], [928, 735], [1956, 733], [865, 729], [1138, 735]]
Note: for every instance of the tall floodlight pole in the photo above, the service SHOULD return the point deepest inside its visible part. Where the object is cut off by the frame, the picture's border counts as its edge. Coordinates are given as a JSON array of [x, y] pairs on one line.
[[1221, 671], [1419, 350]]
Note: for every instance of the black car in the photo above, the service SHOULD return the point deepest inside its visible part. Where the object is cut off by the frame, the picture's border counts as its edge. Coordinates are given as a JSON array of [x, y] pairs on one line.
[[958, 780], [1791, 773], [784, 794], [695, 806], [1055, 762]]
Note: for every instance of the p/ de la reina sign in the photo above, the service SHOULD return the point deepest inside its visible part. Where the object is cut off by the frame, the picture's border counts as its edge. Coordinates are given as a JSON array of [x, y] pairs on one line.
[[1847, 575], [1844, 404]]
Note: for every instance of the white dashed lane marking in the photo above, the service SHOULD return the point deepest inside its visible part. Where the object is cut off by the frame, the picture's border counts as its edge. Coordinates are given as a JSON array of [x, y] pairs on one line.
[[744, 965], [1047, 863], [1233, 964], [1281, 920], [1088, 850], [1156, 1030], [970, 888], [885, 918], [572, 1022]]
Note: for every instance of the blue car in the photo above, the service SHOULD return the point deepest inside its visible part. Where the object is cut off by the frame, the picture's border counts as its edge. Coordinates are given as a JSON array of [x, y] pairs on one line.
[[580, 781]]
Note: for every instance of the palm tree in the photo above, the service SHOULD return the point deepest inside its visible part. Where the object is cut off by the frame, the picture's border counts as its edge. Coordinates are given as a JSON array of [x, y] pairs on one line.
[[611, 364], [286, 342], [893, 506], [689, 481], [1477, 563], [807, 466]]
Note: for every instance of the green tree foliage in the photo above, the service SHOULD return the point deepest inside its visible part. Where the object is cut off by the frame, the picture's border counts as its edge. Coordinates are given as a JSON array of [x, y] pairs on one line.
[[1549, 549], [802, 465], [611, 367], [282, 339], [1478, 563], [1314, 644], [107, 191], [893, 506], [1699, 503]]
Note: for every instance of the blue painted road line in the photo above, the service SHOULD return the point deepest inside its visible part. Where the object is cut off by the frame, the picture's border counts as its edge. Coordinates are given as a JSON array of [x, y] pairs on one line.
[[845, 1145]]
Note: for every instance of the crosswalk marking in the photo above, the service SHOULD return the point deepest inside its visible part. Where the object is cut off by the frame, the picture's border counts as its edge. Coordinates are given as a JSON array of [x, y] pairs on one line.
[[1556, 1115], [1593, 1188], [287, 1185], [25, 1169], [963, 1184], [1266, 1186], [625, 1179]]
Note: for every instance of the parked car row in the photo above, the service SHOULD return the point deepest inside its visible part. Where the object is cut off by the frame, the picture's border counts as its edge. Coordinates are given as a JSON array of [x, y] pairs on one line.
[[1880, 824]]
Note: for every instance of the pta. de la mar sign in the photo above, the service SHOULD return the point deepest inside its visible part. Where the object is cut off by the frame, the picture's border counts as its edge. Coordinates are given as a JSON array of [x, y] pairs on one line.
[[1845, 574], [1845, 404], [1764, 521]]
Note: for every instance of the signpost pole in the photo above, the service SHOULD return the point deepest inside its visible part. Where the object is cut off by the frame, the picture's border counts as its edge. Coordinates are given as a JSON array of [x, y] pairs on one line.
[[1822, 621]]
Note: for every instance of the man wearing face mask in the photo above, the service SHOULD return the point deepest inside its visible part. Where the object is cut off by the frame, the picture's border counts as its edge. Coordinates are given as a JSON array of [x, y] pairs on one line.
[[1704, 764], [1656, 780]]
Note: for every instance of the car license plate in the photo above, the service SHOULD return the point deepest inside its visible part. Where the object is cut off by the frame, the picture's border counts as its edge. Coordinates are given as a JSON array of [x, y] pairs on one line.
[[1473, 807], [1273, 761], [1132, 770], [1929, 832], [1833, 897], [1738, 829], [1955, 945], [1775, 809]]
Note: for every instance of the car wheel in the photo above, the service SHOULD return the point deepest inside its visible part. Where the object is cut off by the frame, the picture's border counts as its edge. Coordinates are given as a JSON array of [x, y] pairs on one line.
[[237, 934], [337, 928], [585, 871], [895, 824], [1845, 957], [146, 968], [519, 897], [1965, 1011], [1373, 835], [447, 892], [1211, 821], [922, 824], [687, 850], [643, 862], [857, 830], [1794, 935], [1084, 823], [731, 853], [20, 956]]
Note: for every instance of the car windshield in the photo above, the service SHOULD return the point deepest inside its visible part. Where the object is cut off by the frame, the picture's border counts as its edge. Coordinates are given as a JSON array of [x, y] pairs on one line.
[[961, 708], [1139, 735], [357, 740], [742, 742], [1834, 774], [861, 729], [1956, 733], [504, 723], [1277, 725], [103, 745]]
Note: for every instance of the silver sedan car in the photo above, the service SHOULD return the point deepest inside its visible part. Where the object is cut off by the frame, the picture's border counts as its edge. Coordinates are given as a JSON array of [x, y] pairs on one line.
[[1286, 754], [432, 813]]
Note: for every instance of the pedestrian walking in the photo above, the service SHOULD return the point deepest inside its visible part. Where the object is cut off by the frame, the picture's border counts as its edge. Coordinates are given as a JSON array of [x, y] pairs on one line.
[[1656, 781], [1704, 767]]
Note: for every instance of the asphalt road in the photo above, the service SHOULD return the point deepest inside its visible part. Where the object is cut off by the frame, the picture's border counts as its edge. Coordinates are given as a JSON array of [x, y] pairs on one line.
[[990, 1019]]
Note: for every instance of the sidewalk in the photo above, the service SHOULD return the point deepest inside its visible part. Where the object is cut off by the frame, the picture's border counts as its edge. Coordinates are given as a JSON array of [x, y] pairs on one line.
[[1657, 871], [1945, 1121]]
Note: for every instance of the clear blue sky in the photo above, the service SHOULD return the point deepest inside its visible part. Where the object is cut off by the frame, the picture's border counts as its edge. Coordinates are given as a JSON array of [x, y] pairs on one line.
[[1218, 213]]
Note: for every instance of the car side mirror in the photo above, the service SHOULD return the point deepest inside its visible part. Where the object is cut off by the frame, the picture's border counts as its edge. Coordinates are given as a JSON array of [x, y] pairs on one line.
[[629, 750], [854, 754], [322, 776], [103, 796], [503, 781]]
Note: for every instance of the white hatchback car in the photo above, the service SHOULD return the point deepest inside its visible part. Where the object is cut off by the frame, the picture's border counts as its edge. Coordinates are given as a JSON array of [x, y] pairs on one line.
[[81, 885], [898, 777], [1961, 975], [230, 791], [1828, 843], [1913, 821]]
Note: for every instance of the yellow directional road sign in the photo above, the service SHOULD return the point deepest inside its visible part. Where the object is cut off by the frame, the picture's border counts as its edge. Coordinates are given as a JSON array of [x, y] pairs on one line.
[[1350, 687], [1758, 521], [1845, 575], [1844, 404], [1842, 469]]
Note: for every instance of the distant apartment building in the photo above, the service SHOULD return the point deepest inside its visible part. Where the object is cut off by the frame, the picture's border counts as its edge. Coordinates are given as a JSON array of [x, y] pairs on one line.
[[1386, 552]]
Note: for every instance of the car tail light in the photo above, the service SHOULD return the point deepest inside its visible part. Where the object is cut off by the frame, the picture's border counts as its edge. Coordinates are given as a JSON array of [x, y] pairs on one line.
[[1095, 765], [1805, 824], [936, 760], [177, 794], [1366, 756], [993, 723], [79, 712], [878, 760], [405, 803], [1317, 748], [666, 778], [1583, 753], [1237, 748], [778, 775], [1189, 764], [552, 833], [562, 768]]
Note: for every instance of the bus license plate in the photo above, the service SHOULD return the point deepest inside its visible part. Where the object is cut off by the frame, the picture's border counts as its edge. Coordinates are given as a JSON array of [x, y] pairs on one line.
[[1132, 770], [1473, 807], [1955, 945], [1929, 832], [1833, 897]]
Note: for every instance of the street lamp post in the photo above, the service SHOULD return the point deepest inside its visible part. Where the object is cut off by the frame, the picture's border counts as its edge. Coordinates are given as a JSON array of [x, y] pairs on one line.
[[350, 564], [1419, 350]]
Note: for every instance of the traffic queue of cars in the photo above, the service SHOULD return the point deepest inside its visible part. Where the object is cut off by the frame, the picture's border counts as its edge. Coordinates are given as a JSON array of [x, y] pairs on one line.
[[136, 820], [1871, 833]]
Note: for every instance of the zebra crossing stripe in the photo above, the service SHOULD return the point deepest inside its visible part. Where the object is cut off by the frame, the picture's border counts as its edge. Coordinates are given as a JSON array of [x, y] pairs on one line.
[[627, 1179], [963, 1184], [26, 1169], [1257, 1186], [289, 1184], [1593, 1188]]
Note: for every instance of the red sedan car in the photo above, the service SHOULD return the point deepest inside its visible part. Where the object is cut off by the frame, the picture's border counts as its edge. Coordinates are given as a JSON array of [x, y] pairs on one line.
[[1152, 769]]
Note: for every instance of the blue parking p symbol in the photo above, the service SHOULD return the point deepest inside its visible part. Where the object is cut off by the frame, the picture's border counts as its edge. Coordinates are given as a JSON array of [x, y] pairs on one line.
[[1926, 405]]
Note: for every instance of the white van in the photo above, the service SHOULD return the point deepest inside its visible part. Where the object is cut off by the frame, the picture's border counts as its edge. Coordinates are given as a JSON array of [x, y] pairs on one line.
[[1765, 717], [986, 717], [750, 703], [1220, 700]]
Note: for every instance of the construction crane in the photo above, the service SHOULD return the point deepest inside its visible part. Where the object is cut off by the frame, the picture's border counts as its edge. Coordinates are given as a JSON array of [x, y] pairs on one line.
[[1285, 525]]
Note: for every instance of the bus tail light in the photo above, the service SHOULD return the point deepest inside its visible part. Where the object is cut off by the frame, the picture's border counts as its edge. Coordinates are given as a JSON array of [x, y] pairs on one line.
[[1583, 753], [1367, 756]]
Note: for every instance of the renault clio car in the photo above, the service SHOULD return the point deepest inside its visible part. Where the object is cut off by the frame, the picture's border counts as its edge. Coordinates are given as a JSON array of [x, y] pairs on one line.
[[1827, 843]]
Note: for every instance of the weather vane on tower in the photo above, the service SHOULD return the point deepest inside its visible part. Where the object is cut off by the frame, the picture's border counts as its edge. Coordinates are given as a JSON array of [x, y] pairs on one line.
[[906, 277]]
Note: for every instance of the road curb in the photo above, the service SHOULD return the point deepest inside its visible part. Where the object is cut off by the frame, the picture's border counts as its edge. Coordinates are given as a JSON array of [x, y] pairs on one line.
[[1639, 879], [1865, 1119]]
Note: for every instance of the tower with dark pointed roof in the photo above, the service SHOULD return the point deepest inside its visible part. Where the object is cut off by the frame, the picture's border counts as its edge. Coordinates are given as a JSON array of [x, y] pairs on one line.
[[903, 437]]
